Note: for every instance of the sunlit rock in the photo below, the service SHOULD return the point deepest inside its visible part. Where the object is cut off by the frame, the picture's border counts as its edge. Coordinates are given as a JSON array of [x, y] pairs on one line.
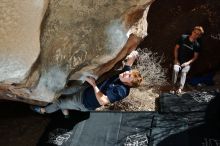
[[20, 32], [76, 36]]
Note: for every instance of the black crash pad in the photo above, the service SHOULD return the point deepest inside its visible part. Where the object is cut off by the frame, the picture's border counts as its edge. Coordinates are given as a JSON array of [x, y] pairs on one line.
[[101, 129], [180, 123], [195, 101]]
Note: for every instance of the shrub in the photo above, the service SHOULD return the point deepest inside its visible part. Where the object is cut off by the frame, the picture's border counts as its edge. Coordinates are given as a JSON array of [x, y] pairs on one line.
[[149, 64]]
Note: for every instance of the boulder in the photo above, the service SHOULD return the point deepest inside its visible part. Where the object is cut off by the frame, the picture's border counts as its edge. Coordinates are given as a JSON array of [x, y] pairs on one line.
[[59, 41]]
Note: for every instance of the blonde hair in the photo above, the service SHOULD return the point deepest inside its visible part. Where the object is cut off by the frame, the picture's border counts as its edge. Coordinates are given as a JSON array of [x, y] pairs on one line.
[[199, 28], [137, 78]]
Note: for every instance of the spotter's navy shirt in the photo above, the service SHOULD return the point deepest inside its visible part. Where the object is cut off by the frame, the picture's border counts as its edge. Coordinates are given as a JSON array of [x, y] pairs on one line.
[[113, 88], [187, 49]]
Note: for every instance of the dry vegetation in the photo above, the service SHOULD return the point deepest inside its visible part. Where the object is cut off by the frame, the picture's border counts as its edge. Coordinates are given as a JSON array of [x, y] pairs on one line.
[[143, 98]]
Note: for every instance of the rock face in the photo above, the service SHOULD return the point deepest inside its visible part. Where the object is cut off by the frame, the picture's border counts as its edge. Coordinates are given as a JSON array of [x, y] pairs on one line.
[[20, 32], [168, 19], [76, 36]]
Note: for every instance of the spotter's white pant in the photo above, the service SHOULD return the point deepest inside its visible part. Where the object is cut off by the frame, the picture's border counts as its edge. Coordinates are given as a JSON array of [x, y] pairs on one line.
[[184, 71]]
